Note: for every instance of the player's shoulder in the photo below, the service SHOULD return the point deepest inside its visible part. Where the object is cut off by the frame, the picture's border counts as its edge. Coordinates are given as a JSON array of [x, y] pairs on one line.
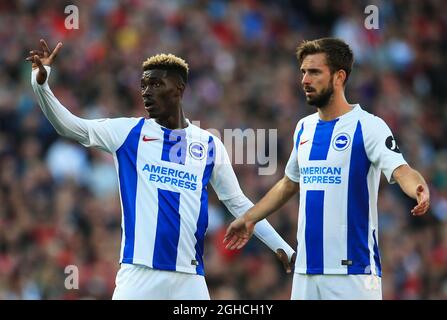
[[306, 121], [202, 135], [121, 122], [370, 121], [129, 120]]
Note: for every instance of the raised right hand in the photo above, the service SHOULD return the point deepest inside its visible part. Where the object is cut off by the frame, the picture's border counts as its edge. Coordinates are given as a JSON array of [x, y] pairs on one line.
[[42, 57], [238, 233]]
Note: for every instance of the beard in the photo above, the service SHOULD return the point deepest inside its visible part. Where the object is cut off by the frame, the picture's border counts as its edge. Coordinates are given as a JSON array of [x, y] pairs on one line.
[[322, 99]]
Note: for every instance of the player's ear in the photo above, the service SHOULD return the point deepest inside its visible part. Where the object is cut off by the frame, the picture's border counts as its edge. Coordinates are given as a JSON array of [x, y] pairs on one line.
[[340, 77], [181, 87]]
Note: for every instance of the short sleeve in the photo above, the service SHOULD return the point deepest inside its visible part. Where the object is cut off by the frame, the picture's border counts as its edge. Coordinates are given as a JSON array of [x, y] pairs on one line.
[[381, 147]]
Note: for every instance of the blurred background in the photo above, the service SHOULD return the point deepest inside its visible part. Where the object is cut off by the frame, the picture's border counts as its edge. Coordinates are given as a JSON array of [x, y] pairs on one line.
[[59, 201]]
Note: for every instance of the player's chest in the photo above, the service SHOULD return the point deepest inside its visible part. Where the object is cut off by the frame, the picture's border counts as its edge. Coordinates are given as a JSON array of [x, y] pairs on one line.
[[326, 145], [171, 149]]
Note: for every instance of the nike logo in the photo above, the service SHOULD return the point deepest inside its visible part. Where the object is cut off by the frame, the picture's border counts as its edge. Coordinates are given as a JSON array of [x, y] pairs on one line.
[[303, 142], [146, 139]]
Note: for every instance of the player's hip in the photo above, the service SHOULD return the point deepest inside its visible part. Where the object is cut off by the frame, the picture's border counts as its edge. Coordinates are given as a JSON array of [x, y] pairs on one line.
[[336, 287], [138, 282]]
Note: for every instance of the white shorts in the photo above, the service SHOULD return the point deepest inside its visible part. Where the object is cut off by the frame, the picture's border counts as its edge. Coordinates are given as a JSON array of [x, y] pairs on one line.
[[136, 282], [336, 287]]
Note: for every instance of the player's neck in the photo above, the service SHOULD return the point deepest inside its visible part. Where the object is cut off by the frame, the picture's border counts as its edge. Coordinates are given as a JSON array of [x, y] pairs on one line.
[[174, 121], [336, 107]]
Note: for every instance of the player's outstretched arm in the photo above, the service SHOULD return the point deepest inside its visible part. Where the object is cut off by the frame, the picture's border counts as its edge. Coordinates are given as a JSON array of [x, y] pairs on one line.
[[241, 230], [414, 185], [65, 123]]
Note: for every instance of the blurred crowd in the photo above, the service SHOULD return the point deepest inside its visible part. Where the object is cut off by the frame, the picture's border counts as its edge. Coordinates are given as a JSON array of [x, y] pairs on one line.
[[59, 203]]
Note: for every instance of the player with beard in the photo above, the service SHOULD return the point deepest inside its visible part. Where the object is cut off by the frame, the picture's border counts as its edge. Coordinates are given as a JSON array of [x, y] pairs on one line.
[[338, 155]]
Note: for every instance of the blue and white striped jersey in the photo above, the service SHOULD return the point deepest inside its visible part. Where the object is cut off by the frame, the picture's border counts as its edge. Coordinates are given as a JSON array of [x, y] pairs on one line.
[[163, 176], [338, 164]]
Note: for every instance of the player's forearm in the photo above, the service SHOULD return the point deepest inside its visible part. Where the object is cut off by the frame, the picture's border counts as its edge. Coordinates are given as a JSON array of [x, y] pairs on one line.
[[408, 180], [263, 230], [267, 234], [273, 200], [63, 121]]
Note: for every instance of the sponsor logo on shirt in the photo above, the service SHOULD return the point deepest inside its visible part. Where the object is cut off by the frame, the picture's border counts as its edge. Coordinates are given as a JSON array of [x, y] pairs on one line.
[[323, 175], [174, 177]]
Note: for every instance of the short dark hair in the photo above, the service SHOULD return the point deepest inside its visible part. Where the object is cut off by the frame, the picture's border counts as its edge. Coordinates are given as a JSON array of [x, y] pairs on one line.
[[168, 62], [339, 55]]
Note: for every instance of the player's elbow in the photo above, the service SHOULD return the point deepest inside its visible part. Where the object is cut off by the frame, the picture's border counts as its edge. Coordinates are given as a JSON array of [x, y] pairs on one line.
[[60, 130], [401, 172], [289, 187], [72, 135]]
